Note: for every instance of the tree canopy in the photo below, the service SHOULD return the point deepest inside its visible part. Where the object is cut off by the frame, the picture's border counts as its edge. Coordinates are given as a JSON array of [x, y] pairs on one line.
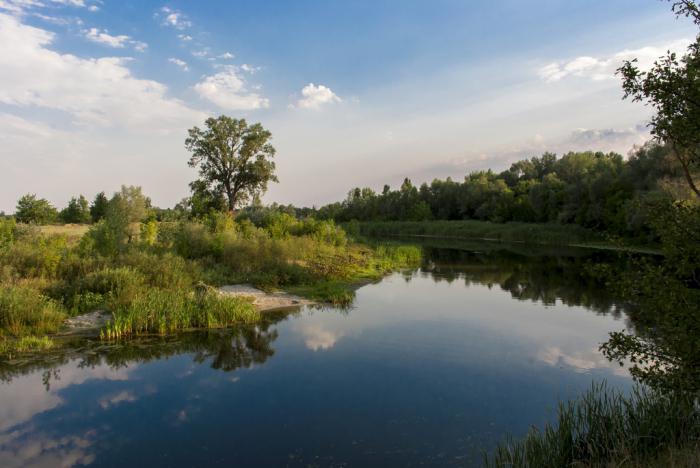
[[31, 209], [672, 88], [233, 158]]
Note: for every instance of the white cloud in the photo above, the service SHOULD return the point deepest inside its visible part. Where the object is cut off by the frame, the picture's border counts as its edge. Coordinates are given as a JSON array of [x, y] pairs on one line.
[[316, 337], [250, 68], [604, 68], [313, 97], [93, 8], [100, 91], [184, 37], [118, 42], [125, 396], [173, 18], [180, 63], [226, 56], [103, 37], [22, 6], [228, 90], [201, 53]]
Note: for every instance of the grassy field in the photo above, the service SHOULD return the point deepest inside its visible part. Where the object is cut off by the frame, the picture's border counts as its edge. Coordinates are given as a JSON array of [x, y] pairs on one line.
[[72, 232]]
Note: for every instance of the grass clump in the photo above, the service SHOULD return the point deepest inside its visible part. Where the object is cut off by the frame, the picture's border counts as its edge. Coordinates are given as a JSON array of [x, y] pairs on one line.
[[25, 344], [160, 311], [25, 311], [606, 428]]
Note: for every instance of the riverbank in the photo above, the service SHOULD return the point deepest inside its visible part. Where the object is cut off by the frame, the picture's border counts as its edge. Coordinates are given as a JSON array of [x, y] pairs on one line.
[[512, 232], [165, 279]]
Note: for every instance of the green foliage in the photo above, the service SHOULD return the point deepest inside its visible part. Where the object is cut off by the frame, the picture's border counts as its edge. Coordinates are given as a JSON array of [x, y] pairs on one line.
[[664, 350], [233, 158], [605, 428], [120, 226], [98, 208], [166, 311], [149, 232], [592, 190], [35, 256], [7, 231], [77, 211], [25, 344], [31, 209], [672, 88], [26, 311]]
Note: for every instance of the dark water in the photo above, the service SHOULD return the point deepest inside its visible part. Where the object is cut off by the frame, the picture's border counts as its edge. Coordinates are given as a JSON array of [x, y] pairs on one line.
[[429, 367]]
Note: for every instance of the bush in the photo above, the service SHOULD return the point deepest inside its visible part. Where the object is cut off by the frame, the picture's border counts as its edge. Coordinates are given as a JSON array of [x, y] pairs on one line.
[[35, 255], [118, 286], [25, 310]]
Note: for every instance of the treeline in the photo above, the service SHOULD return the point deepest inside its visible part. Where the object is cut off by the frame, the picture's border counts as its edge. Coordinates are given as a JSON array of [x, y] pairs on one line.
[[602, 191]]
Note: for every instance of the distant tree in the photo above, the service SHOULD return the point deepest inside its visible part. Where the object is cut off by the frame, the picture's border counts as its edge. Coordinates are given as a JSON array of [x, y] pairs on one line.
[[77, 211], [98, 209], [131, 204], [233, 158], [31, 209], [120, 225], [672, 89]]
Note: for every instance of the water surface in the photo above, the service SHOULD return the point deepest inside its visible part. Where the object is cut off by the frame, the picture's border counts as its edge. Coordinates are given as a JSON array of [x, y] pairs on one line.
[[429, 367]]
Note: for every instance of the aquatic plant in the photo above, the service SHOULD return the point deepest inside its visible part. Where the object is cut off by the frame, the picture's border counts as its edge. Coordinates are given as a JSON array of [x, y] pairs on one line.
[[160, 311], [604, 428]]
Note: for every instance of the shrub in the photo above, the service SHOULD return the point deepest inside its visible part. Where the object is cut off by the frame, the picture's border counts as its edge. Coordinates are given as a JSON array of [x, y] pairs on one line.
[[119, 286], [167, 270], [149, 232], [36, 255]]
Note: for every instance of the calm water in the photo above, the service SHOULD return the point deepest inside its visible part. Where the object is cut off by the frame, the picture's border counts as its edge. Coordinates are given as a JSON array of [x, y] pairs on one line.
[[428, 368]]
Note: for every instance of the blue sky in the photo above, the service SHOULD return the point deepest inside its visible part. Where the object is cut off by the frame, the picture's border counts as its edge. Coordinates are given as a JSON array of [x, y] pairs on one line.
[[95, 94]]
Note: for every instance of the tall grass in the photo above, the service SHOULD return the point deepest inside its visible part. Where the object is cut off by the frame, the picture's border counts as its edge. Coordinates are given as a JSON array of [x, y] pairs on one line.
[[606, 428], [163, 311], [25, 311]]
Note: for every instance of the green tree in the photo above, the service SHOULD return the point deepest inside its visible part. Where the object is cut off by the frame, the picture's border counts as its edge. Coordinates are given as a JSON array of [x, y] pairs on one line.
[[672, 89], [98, 209], [205, 199], [31, 209], [77, 211], [233, 158]]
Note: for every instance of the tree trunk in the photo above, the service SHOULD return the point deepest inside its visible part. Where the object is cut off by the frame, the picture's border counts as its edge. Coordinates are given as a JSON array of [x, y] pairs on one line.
[[686, 171]]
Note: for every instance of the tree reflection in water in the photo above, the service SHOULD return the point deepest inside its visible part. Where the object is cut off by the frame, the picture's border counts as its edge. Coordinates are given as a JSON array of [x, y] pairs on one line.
[[227, 349]]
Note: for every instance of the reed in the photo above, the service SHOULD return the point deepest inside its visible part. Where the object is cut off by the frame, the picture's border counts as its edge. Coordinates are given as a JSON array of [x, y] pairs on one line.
[[160, 311], [606, 428]]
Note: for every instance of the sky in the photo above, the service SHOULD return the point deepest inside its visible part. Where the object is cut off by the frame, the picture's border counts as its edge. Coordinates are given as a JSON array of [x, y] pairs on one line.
[[99, 93]]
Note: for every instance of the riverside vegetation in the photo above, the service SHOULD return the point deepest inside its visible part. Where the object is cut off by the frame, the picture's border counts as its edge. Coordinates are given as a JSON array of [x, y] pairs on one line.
[[160, 277]]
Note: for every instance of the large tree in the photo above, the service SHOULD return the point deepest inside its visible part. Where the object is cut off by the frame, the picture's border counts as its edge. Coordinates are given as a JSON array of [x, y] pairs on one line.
[[672, 88], [232, 157]]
